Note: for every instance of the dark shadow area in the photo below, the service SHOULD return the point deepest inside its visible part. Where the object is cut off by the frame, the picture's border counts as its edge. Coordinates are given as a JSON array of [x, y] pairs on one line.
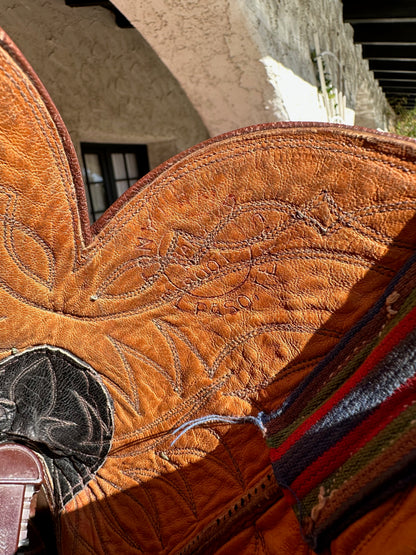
[[41, 530]]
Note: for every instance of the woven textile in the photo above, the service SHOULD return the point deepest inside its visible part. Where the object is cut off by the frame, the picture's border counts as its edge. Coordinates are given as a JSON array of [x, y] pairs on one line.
[[345, 439]]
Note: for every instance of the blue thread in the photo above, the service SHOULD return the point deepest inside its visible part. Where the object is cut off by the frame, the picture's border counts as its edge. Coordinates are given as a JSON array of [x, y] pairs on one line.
[[186, 426], [266, 418]]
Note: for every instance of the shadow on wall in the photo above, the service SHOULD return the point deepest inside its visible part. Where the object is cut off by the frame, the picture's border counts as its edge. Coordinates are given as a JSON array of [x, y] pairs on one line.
[[367, 110]]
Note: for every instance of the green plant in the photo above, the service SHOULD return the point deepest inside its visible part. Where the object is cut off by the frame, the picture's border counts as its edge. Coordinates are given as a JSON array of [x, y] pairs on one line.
[[327, 76], [406, 118]]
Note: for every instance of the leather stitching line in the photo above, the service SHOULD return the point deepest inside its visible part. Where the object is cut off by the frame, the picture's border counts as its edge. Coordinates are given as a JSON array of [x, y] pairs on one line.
[[205, 393], [9, 238], [44, 124], [248, 264], [387, 517], [160, 183], [135, 501]]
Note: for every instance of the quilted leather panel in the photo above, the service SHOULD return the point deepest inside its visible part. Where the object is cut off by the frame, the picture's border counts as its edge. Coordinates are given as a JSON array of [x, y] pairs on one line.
[[213, 286]]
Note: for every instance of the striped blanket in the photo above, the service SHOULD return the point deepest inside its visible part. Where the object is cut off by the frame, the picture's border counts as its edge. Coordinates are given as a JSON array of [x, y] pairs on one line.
[[345, 440]]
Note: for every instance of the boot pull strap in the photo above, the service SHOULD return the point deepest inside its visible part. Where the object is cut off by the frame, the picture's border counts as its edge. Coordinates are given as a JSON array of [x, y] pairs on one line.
[[21, 475]]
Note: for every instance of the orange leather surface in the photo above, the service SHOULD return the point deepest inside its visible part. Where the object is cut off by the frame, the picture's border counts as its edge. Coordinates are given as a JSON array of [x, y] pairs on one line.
[[212, 287], [391, 528]]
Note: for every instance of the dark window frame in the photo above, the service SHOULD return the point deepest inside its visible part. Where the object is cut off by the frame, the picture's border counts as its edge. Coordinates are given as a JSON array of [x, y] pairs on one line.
[[104, 151]]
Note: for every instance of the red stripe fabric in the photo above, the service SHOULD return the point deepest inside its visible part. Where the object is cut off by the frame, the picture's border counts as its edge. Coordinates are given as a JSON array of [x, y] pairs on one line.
[[387, 344], [337, 455]]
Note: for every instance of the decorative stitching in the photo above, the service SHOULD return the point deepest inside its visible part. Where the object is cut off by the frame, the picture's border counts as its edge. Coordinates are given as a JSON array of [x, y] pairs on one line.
[[46, 123], [181, 472], [9, 225], [401, 498], [104, 500], [195, 402], [155, 525], [120, 221], [281, 143], [208, 242]]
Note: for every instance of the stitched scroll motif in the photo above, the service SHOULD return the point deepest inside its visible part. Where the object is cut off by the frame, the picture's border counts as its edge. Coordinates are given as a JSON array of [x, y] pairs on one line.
[[58, 405]]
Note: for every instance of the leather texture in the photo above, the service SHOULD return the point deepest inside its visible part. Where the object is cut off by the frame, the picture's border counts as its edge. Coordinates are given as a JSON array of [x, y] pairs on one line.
[[213, 286]]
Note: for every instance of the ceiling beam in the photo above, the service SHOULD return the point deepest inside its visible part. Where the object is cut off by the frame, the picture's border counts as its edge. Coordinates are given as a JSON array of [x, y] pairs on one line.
[[402, 84], [388, 87], [395, 76], [355, 10], [399, 101], [390, 52], [398, 94], [375, 19], [385, 84], [385, 33], [397, 86], [393, 65]]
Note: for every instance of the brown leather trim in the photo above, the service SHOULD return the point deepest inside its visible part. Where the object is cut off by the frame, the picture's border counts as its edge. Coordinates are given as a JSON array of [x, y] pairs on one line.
[[242, 513]]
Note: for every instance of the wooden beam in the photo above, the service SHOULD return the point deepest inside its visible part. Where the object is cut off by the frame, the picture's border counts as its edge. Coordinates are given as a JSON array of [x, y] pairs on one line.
[[397, 86], [397, 96], [395, 76], [390, 52], [385, 33], [369, 9], [393, 65]]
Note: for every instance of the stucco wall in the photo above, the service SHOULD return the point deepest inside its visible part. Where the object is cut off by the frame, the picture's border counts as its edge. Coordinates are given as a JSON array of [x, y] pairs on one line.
[[231, 63], [287, 29], [107, 83], [249, 61]]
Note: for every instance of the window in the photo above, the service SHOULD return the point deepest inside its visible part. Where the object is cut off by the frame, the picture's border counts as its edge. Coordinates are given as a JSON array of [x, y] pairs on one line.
[[109, 170]]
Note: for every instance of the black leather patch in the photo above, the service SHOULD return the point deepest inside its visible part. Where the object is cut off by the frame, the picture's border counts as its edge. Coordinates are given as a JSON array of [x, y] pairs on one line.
[[58, 405]]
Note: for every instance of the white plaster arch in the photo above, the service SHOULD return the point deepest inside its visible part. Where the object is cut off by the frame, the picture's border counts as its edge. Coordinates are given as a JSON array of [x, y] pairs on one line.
[[211, 49], [243, 62]]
